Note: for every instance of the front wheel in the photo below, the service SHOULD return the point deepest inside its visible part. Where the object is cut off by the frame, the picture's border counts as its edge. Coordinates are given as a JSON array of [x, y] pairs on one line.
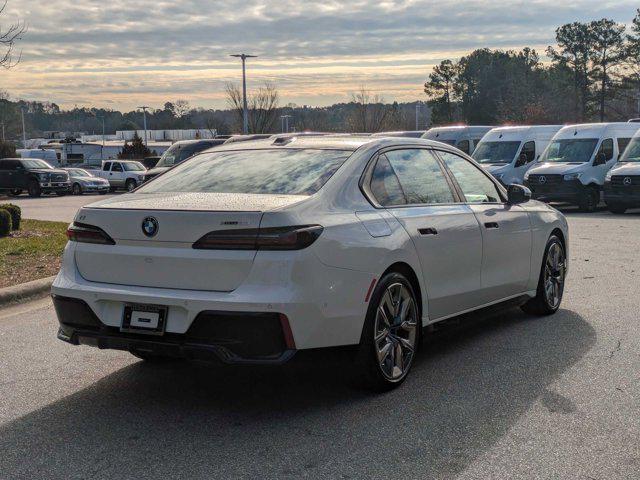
[[130, 185], [618, 209], [551, 282], [589, 200], [77, 189], [390, 335], [34, 189]]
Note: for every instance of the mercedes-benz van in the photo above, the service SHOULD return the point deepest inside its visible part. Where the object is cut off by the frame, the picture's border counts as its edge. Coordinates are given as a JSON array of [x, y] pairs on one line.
[[573, 168], [622, 182], [508, 152], [462, 137]]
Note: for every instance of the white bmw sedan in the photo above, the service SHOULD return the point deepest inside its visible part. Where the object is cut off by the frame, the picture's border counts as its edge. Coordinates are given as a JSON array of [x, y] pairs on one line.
[[256, 250]]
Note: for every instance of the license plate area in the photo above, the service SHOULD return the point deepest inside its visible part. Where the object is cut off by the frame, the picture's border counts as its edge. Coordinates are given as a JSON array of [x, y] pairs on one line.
[[145, 319]]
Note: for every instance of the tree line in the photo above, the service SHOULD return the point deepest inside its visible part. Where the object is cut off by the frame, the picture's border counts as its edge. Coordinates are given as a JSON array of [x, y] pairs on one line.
[[593, 75]]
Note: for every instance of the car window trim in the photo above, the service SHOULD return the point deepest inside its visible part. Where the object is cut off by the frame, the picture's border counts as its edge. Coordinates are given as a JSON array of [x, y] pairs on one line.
[[365, 179], [500, 188]]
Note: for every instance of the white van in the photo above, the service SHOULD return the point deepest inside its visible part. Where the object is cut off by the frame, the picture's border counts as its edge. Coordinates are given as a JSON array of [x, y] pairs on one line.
[[462, 137], [47, 155], [573, 168], [622, 183], [508, 152]]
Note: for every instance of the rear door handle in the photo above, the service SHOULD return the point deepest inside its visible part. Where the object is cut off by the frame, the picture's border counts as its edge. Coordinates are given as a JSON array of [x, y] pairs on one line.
[[491, 225], [428, 231]]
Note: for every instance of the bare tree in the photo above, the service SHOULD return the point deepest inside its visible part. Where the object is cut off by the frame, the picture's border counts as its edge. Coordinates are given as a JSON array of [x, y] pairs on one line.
[[262, 106], [181, 108], [371, 113], [8, 38]]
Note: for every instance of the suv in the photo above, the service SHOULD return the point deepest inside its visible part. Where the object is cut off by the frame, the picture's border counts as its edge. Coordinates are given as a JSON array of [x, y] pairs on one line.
[[33, 175], [125, 174], [179, 152]]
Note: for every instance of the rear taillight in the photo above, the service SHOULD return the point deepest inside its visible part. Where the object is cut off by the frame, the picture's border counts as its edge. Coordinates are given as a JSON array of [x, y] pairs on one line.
[[81, 232], [275, 238]]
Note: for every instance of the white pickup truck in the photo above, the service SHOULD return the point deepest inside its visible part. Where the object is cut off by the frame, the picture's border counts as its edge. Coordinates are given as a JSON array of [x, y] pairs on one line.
[[125, 174]]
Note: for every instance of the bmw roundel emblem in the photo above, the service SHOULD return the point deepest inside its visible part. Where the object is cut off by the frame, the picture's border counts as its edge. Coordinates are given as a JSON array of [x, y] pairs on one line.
[[150, 227]]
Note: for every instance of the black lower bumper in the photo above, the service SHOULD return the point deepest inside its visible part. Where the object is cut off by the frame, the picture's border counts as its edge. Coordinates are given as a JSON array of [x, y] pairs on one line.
[[565, 191], [227, 337], [628, 196]]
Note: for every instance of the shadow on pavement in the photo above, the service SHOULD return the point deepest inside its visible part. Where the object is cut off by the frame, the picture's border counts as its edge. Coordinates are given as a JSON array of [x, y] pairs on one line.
[[467, 389]]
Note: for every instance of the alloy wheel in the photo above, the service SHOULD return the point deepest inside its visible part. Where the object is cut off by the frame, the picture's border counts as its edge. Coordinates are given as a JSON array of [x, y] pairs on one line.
[[395, 331], [554, 273]]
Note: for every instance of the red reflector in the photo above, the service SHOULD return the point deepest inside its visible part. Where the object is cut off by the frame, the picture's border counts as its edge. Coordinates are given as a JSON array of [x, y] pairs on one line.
[[286, 331], [370, 291]]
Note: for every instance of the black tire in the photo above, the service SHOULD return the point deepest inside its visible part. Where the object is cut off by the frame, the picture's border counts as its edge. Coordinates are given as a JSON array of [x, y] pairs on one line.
[[34, 189], [541, 305], [15, 192], [589, 200], [617, 209], [130, 184], [378, 374], [76, 189]]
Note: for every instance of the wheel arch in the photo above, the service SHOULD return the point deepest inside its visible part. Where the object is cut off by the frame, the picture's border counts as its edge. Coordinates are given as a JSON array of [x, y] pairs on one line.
[[408, 271]]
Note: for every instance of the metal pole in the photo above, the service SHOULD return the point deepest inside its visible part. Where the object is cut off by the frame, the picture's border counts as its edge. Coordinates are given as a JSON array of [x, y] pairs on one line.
[[144, 120], [417, 113], [24, 132], [245, 110]]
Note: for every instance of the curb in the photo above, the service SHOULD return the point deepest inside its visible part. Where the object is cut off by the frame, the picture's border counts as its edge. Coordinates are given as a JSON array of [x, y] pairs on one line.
[[26, 291]]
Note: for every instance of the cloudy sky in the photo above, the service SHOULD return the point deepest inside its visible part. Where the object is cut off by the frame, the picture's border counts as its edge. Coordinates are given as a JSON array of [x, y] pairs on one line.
[[121, 53]]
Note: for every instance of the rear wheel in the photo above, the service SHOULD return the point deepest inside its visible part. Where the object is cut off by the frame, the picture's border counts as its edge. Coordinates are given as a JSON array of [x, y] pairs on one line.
[[390, 336], [551, 282], [76, 189], [617, 208], [589, 200], [34, 189]]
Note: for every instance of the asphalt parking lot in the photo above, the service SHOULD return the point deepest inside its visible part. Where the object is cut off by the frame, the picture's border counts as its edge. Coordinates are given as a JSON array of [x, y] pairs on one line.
[[512, 397], [54, 208]]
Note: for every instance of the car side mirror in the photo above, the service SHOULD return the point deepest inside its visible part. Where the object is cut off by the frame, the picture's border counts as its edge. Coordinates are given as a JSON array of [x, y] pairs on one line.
[[518, 194]]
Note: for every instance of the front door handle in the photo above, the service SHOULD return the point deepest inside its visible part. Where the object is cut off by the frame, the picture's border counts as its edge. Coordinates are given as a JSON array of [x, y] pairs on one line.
[[491, 225], [428, 231]]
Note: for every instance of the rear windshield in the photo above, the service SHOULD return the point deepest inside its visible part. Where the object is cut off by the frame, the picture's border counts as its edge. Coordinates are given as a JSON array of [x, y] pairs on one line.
[[277, 171], [495, 152], [574, 150], [632, 152]]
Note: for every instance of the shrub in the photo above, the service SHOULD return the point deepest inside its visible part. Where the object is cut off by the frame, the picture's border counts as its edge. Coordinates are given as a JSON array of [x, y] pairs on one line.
[[5, 223], [7, 150], [15, 212]]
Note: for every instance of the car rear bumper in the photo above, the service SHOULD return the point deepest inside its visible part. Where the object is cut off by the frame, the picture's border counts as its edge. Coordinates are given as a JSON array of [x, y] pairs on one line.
[[324, 306]]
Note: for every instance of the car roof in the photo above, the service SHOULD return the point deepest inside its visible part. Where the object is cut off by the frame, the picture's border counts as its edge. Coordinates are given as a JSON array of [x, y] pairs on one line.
[[327, 142]]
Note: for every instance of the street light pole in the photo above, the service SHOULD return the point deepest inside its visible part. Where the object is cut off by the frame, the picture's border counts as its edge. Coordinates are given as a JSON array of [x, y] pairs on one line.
[[24, 132], [144, 116], [417, 116], [245, 111]]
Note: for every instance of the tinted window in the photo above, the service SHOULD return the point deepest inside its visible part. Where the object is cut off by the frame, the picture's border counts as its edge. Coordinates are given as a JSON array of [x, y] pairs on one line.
[[116, 167], [421, 177], [385, 185], [632, 152], [475, 185], [529, 150], [4, 165], [281, 171], [622, 144], [464, 146], [107, 166], [495, 152], [133, 167], [606, 147]]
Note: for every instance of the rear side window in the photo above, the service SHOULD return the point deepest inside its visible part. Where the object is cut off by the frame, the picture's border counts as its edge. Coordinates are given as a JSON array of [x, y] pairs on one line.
[[464, 146], [420, 175], [475, 185], [385, 185], [622, 145], [282, 171]]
